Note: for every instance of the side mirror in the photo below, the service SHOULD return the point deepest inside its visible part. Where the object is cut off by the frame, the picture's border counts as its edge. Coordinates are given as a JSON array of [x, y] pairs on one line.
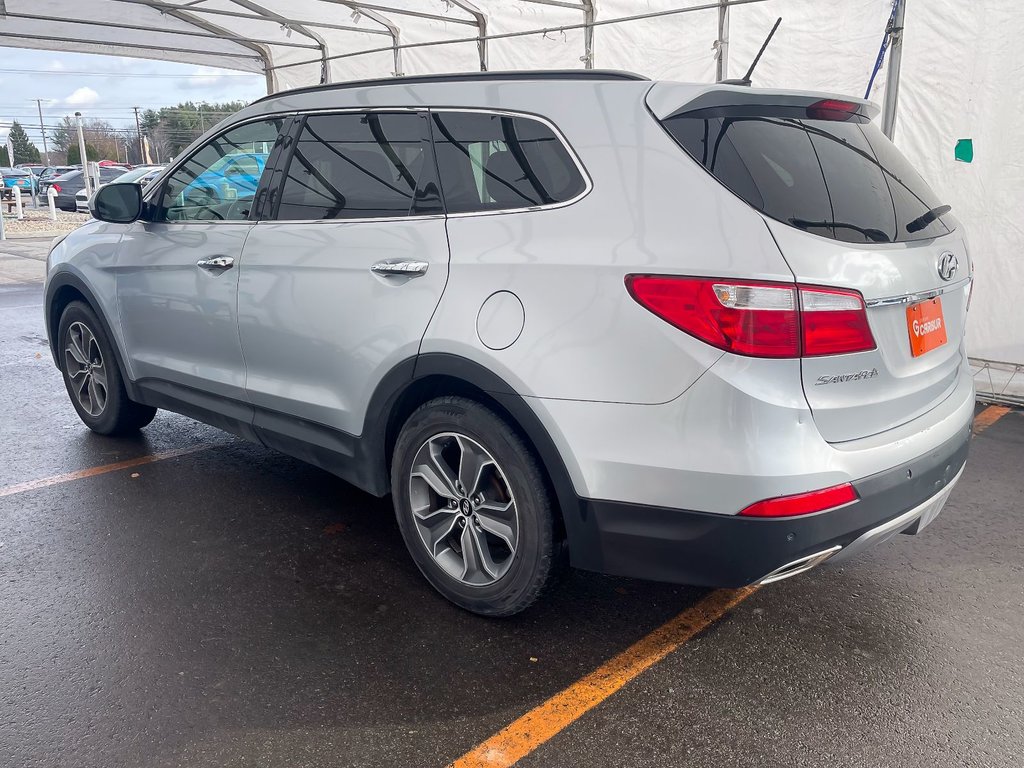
[[117, 203]]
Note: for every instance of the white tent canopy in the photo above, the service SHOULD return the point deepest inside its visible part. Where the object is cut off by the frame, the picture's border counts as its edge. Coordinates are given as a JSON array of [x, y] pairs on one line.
[[958, 74]]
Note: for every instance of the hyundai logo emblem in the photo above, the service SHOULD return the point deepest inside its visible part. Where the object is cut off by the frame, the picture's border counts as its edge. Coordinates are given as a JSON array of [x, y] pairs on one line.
[[947, 265]]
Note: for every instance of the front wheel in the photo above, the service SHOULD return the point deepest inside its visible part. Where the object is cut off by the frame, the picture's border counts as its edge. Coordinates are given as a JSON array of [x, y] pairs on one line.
[[473, 508], [92, 376]]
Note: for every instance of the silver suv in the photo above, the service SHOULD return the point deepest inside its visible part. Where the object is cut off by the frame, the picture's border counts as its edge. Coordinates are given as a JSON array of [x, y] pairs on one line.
[[696, 333]]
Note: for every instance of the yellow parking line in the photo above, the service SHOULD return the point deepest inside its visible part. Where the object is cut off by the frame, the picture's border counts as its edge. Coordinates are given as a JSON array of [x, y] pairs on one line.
[[988, 417], [544, 721], [67, 477]]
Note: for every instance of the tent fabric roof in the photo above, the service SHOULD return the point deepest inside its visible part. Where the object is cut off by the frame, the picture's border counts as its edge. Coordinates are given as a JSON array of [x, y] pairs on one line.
[[959, 76], [299, 42]]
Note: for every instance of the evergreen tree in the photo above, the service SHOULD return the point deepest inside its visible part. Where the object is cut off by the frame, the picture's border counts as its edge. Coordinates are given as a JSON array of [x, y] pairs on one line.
[[75, 158], [24, 150]]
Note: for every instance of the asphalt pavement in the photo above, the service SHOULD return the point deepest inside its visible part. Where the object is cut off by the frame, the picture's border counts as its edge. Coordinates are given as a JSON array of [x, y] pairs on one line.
[[234, 607]]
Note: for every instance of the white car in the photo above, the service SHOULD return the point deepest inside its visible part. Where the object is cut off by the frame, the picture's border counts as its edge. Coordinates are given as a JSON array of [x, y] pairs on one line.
[[141, 175], [703, 334]]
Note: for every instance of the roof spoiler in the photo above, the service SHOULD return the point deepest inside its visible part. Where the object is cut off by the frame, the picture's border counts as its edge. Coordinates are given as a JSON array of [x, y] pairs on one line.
[[671, 99]]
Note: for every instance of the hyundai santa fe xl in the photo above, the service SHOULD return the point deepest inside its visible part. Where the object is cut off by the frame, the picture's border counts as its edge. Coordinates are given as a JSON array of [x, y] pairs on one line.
[[704, 334]]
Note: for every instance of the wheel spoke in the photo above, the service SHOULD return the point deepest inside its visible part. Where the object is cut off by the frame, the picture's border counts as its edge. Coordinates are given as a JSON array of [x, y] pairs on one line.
[[100, 375], [94, 397], [476, 557], [440, 483], [75, 346], [440, 532], [497, 526], [472, 463]]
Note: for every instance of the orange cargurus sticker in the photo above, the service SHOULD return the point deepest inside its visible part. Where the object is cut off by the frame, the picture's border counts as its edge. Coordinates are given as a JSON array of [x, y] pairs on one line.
[[926, 326]]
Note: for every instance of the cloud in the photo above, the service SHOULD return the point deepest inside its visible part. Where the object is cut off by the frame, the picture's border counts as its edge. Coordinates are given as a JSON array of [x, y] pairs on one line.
[[82, 97], [204, 77], [56, 66]]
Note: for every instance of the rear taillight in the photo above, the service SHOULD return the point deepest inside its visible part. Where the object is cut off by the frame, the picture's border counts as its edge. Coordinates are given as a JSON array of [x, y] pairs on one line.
[[758, 319], [803, 503], [834, 322], [56, 188], [833, 109]]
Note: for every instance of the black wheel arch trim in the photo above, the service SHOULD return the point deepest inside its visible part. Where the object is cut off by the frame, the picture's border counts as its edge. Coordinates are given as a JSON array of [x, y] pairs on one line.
[[67, 278], [577, 517]]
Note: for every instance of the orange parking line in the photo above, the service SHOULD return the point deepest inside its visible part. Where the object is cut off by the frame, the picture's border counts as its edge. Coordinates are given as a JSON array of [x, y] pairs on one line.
[[67, 477], [544, 721], [988, 417]]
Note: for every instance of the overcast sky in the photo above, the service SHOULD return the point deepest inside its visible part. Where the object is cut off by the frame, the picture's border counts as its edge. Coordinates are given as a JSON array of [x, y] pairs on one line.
[[107, 87]]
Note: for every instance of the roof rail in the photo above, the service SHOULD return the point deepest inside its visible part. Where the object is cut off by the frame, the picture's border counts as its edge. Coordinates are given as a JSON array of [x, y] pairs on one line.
[[540, 74]]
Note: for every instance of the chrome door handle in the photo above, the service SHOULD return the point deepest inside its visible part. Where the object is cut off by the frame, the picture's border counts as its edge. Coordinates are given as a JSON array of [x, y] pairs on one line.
[[217, 262], [407, 268]]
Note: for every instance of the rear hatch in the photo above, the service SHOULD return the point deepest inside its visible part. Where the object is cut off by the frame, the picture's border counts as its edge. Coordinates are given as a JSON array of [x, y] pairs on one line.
[[847, 211]]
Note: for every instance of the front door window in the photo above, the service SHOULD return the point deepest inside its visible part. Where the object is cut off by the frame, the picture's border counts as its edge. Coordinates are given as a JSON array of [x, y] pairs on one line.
[[219, 181]]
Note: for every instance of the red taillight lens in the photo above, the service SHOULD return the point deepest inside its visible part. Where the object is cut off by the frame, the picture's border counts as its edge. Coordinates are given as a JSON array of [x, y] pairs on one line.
[[834, 322], [832, 109], [803, 503], [758, 319], [56, 188], [755, 319]]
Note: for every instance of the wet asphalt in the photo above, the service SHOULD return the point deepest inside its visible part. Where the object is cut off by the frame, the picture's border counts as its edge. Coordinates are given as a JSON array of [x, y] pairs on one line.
[[235, 607]]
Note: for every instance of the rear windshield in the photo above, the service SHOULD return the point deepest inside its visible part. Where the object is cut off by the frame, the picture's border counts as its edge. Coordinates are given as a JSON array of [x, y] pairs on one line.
[[840, 179]]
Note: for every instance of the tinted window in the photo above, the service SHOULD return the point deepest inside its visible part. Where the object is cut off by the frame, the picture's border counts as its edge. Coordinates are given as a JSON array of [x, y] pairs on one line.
[[357, 165], [109, 174], [218, 182], [838, 179], [491, 162]]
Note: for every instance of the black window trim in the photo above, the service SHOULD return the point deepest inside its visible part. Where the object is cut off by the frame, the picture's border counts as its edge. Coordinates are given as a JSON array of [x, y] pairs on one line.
[[588, 183]]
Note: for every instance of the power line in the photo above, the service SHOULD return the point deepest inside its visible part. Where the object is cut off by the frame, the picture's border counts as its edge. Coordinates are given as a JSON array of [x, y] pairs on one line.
[[208, 75]]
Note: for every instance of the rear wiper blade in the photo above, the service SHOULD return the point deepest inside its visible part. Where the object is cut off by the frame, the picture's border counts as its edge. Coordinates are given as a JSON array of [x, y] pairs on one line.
[[874, 235], [928, 217]]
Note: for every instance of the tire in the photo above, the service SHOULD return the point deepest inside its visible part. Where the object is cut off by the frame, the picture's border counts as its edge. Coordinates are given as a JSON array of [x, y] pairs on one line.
[[92, 377], [508, 510]]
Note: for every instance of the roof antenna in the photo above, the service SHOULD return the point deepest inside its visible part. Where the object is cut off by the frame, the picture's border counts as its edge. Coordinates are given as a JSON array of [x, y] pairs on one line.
[[745, 80]]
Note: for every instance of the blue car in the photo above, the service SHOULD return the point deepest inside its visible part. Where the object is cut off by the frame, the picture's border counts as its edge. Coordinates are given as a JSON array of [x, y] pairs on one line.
[[233, 177], [16, 177]]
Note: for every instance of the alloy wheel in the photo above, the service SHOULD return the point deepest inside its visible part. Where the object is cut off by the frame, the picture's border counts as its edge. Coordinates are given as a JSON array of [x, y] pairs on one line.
[[463, 509], [85, 368]]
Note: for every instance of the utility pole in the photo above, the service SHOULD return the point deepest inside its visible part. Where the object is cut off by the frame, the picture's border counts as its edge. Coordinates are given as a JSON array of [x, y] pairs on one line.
[[84, 159], [42, 130], [138, 128]]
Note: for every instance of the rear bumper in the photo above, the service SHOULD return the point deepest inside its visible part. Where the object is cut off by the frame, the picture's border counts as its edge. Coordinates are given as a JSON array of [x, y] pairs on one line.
[[717, 550]]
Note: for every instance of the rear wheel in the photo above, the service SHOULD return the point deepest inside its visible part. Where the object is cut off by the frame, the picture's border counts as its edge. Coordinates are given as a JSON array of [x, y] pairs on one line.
[[474, 508], [92, 377]]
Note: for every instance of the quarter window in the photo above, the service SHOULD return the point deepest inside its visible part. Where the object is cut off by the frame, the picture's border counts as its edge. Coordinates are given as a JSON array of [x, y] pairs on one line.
[[359, 165], [219, 182], [492, 162]]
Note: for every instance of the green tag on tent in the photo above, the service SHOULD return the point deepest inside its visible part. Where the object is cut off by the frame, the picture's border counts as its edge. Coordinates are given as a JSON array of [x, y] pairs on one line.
[[964, 151]]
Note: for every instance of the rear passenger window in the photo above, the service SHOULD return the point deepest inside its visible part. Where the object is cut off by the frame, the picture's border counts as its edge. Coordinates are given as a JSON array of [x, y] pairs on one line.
[[492, 162], [356, 165]]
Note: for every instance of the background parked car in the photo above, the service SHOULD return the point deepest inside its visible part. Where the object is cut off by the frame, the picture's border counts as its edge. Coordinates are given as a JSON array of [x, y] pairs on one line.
[[16, 177], [141, 175], [68, 185], [51, 172]]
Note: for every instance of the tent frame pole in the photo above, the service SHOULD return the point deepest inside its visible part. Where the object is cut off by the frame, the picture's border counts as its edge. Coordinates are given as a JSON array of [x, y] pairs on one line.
[[722, 43], [890, 103]]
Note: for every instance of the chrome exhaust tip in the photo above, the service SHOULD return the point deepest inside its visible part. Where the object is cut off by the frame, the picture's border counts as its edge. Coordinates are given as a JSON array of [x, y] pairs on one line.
[[797, 567]]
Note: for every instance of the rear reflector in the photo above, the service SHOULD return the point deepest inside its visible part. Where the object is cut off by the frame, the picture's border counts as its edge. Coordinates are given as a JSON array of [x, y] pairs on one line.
[[758, 319], [803, 503]]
